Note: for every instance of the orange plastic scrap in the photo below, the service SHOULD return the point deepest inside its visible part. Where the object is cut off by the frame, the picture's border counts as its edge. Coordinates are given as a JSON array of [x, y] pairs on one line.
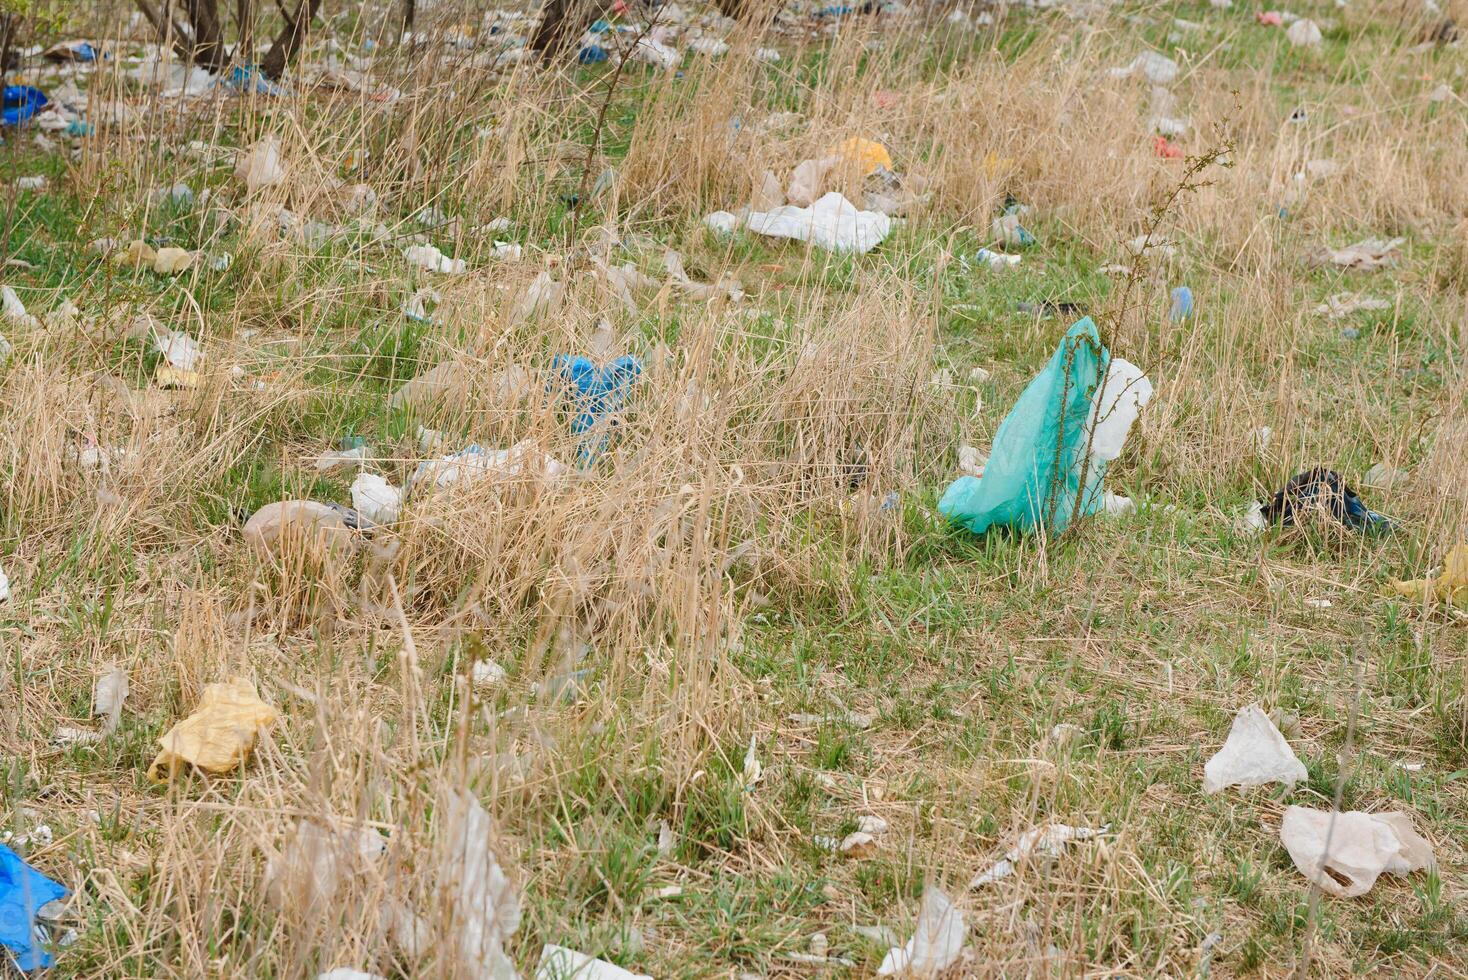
[[219, 736], [1451, 586], [868, 155]]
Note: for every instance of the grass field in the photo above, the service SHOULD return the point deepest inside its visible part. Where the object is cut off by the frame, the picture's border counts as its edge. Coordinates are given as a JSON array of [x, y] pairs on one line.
[[753, 573]]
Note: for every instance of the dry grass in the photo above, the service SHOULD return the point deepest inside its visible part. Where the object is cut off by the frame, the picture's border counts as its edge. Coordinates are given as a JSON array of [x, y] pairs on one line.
[[729, 561]]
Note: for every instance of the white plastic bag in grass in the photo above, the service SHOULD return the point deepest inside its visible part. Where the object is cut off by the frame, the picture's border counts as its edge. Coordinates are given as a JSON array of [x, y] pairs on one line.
[[1254, 754], [4, 587], [1156, 68], [261, 165], [1047, 842], [1303, 34], [486, 908], [560, 963], [429, 258], [832, 223], [376, 499], [934, 946], [1344, 853], [1116, 404]]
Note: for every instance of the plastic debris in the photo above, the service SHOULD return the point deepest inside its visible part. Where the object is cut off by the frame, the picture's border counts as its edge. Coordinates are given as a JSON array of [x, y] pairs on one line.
[[1303, 34], [172, 261], [1344, 853], [597, 395], [23, 893], [709, 47], [337, 458], [14, 311], [1450, 585], [1182, 304], [1156, 68], [753, 771], [935, 945], [1322, 491], [261, 165], [654, 51], [1384, 477], [998, 261], [1344, 304], [327, 525], [1366, 255], [560, 963], [71, 51], [722, 222], [487, 673], [1037, 466], [219, 736], [432, 386], [1047, 842], [867, 156], [592, 54], [832, 223], [36, 183], [1166, 149], [542, 296], [474, 462], [486, 909], [180, 350], [375, 499], [1254, 754], [18, 103], [249, 78], [347, 973], [701, 291], [1007, 229], [430, 258], [4, 586]]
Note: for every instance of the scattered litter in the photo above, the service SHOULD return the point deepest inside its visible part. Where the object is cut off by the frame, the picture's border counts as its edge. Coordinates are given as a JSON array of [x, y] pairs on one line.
[[1037, 472], [356, 456], [1046, 842], [347, 973], [1344, 853], [261, 165], [1449, 585], [1182, 304], [1318, 603], [701, 291], [18, 103], [487, 673], [998, 261], [1010, 233], [542, 296], [14, 311], [560, 963], [1166, 149], [1303, 34], [36, 183], [1322, 491], [4, 586], [485, 907], [524, 458], [430, 387], [1156, 68], [1254, 754], [1344, 304], [180, 350], [722, 222], [711, 47], [375, 499], [172, 261], [857, 845], [598, 396], [651, 50], [24, 891], [935, 945], [971, 461], [430, 258], [832, 223], [1364, 256], [1384, 477], [867, 156], [220, 734], [752, 771], [324, 524]]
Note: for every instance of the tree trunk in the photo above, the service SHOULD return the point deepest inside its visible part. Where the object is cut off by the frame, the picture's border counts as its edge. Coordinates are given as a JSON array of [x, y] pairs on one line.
[[290, 39], [208, 48], [410, 13], [561, 23]]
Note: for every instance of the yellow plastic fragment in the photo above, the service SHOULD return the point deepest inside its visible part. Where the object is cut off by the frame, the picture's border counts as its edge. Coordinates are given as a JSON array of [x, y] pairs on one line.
[[219, 736]]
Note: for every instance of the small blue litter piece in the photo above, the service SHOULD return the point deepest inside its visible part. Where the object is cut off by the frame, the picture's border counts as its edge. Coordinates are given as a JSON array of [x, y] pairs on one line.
[[23, 890], [20, 103], [247, 78], [592, 54], [79, 127], [1182, 304], [600, 27], [598, 396]]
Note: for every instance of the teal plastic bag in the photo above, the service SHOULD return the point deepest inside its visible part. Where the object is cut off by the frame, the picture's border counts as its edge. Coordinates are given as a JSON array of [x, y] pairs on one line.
[[1033, 476]]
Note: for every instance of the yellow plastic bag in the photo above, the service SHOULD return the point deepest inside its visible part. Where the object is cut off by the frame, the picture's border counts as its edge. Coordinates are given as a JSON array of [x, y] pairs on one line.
[[868, 155], [219, 735], [1450, 586]]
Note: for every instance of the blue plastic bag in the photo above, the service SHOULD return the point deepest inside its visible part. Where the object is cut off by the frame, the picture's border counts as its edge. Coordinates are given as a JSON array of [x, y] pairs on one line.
[[247, 78], [23, 890], [1033, 477], [20, 103], [598, 396]]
